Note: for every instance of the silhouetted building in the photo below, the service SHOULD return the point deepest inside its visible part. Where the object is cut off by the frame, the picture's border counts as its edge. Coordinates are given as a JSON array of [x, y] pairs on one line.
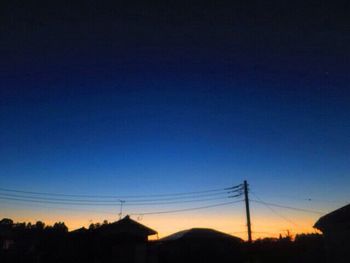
[[126, 230], [123, 241], [335, 227], [81, 230], [200, 245]]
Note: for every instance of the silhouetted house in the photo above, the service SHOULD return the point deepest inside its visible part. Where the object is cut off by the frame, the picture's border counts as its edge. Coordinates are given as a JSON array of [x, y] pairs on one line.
[[335, 227], [123, 241], [200, 245], [126, 230], [81, 230]]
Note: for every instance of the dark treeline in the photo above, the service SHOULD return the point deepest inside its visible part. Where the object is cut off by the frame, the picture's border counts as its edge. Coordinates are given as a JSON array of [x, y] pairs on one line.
[[304, 248], [26, 242], [7, 224]]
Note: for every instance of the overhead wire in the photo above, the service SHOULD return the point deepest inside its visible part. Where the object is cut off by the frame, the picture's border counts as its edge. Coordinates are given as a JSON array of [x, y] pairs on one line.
[[178, 202], [289, 207], [275, 212], [185, 209], [46, 198], [310, 199], [75, 209], [146, 200], [113, 201], [58, 202], [120, 196], [40, 198], [158, 212]]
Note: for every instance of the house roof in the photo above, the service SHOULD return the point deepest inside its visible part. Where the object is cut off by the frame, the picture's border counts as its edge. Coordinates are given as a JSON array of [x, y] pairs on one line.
[[128, 226], [200, 233], [337, 217], [79, 230]]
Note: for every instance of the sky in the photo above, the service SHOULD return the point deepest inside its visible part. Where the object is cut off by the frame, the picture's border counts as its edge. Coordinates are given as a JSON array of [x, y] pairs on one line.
[[102, 98]]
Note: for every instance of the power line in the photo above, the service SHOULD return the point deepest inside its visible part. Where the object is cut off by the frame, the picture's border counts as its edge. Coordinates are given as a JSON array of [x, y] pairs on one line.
[[309, 199], [289, 207], [185, 209], [58, 201], [179, 202], [180, 197], [134, 202], [120, 196], [275, 212], [70, 209], [235, 187]]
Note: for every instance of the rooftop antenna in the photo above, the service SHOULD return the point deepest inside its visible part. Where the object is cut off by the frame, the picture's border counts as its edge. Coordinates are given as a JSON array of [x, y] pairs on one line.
[[121, 208]]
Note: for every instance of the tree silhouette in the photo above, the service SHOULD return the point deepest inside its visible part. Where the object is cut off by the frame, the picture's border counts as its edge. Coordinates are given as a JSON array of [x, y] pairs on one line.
[[60, 227], [6, 222], [39, 225]]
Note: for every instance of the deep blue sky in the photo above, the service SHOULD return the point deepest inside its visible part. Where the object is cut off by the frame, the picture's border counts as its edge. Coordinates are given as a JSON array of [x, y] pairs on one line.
[[134, 99]]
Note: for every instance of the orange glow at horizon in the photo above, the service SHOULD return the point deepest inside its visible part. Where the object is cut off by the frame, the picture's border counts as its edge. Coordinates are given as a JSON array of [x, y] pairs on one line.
[[263, 225]]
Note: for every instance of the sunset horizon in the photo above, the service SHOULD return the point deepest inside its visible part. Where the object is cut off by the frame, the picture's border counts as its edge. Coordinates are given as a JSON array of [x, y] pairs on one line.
[[228, 216], [230, 119]]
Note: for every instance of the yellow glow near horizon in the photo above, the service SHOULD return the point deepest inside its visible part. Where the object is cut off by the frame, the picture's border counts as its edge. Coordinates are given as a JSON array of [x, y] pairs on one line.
[[263, 225]]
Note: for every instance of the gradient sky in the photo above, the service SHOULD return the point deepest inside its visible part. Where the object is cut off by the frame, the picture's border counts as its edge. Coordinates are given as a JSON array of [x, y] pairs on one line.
[[127, 99]]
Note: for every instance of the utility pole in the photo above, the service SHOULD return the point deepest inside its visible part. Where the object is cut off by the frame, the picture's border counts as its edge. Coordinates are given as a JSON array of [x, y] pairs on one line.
[[246, 197]]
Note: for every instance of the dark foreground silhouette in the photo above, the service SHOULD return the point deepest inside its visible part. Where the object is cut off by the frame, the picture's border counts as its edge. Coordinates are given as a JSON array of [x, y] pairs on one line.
[[126, 241]]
